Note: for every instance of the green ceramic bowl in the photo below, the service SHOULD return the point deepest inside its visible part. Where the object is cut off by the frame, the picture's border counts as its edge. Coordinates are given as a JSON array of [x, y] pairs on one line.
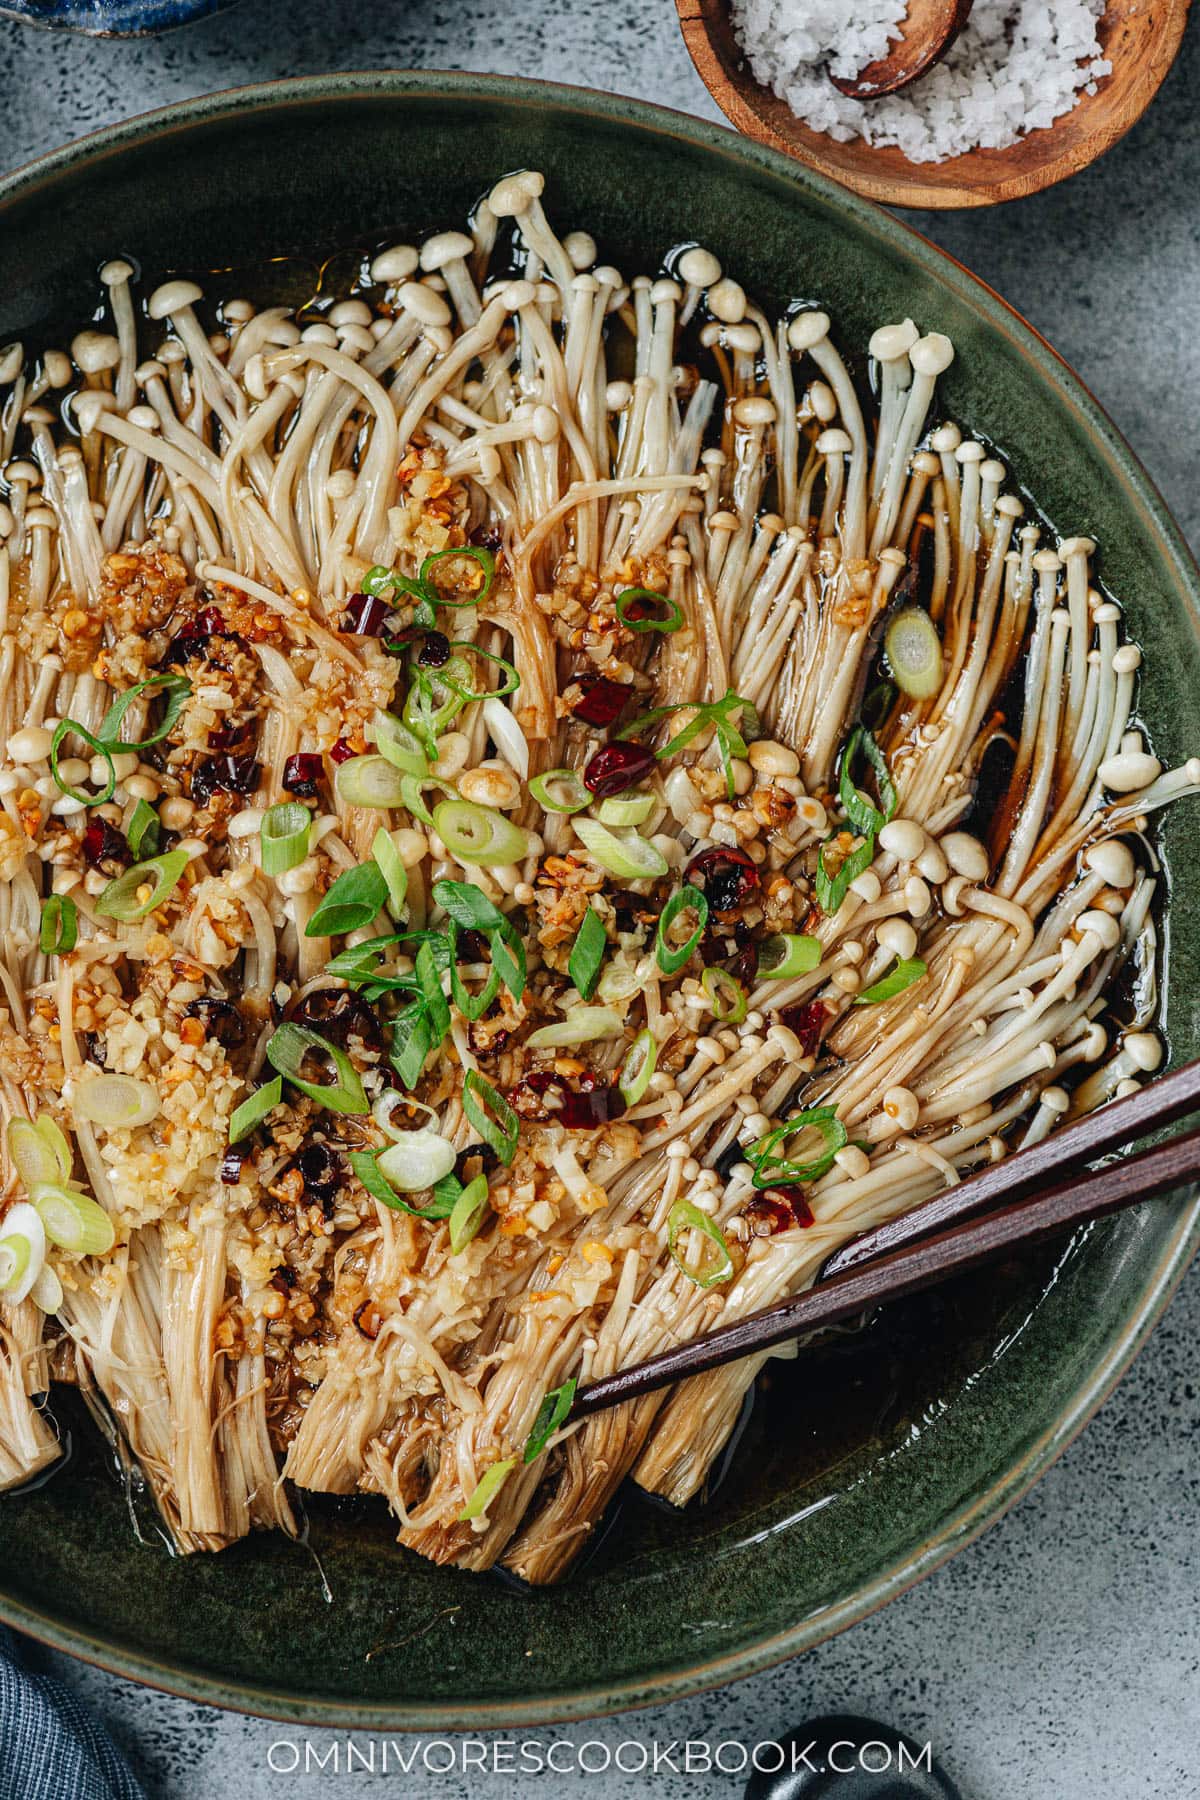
[[867, 1463]]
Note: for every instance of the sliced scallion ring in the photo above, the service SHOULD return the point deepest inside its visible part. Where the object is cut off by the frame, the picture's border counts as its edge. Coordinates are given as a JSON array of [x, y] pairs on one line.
[[117, 1102], [587, 953], [486, 560], [434, 701], [629, 856], [671, 957], [175, 687], [863, 814], [391, 866], [73, 1221], [670, 618], [287, 1050], [772, 1170], [59, 929], [283, 836], [32, 1156], [122, 899], [785, 953], [725, 995], [831, 890], [509, 685], [56, 1137], [63, 730], [479, 834], [400, 746], [365, 1164], [551, 1415], [491, 1115], [914, 652], [560, 791], [467, 1216], [416, 1160], [252, 1111], [47, 1290], [903, 975], [638, 1067], [471, 1006], [351, 903], [486, 1489], [20, 1264], [626, 809], [714, 1263], [143, 832], [584, 1025], [370, 781]]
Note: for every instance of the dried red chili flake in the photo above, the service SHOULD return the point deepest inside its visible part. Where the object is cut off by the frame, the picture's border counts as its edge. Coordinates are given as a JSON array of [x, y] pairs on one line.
[[342, 751], [547, 1097], [337, 1014], [634, 910], [231, 1164], [103, 843], [365, 616], [727, 877], [225, 775], [808, 1022], [321, 1170], [302, 773], [221, 1019], [232, 737], [435, 651], [194, 636], [369, 1319], [616, 767], [601, 701], [778, 1209]]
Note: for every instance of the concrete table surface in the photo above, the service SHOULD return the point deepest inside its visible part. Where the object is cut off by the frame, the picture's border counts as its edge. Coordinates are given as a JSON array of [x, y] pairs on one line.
[[1058, 1655]]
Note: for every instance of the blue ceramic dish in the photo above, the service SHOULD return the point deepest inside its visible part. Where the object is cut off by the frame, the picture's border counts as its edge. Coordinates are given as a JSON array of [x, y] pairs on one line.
[[112, 18]]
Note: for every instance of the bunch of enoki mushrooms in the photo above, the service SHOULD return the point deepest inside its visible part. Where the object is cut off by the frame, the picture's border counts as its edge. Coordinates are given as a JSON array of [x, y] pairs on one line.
[[609, 639]]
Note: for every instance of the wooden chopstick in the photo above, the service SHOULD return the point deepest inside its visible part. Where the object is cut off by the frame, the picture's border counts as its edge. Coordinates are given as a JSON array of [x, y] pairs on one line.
[[922, 1260]]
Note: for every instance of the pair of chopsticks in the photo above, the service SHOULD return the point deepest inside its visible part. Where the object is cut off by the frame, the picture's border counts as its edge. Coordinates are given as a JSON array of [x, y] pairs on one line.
[[1039, 1193]]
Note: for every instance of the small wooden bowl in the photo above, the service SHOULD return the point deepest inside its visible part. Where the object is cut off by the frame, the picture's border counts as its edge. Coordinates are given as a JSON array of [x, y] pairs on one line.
[[1140, 38]]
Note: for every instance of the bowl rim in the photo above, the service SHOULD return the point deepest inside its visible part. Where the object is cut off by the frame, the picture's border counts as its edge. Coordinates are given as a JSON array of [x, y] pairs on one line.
[[971, 1519]]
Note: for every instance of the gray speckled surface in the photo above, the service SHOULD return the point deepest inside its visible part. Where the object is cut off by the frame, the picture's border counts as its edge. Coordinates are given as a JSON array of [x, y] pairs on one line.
[[1059, 1654]]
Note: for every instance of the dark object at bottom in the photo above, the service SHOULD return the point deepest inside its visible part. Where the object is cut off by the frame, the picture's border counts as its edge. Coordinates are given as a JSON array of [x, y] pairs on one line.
[[843, 1757]]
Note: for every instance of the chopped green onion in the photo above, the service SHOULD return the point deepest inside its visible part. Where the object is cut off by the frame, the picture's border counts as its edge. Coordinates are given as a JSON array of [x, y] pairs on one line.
[[877, 705], [584, 1025], [629, 856], [351, 903], [176, 687], [54, 1135], [64, 729], [370, 781], [434, 701], [486, 560], [831, 890], [486, 1489], [671, 958], [59, 930], [714, 713], [785, 954], [143, 831], [119, 900], [74, 1221], [861, 811], [15, 1253], [560, 791], [914, 652], [511, 683], [726, 995], [480, 1101], [638, 1067], [626, 809], [471, 1006], [47, 1290], [776, 1171], [551, 1414], [587, 953], [390, 864], [365, 1164], [380, 581], [287, 1051], [283, 836], [468, 906], [467, 1216], [429, 980], [33, 1157], [906, 971], [412, 1040], [252, 1111], [715, 1263], [400, 746], [117, 1102], [641, 597], [479, 834], [416, 1160]]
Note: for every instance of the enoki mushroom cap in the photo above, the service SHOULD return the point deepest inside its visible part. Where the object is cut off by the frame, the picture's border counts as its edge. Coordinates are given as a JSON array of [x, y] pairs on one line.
[[515, 194], [173, 297], [931, 355], [445, 247], [95, 351], [892, 342], [395, 264], [807, 330]]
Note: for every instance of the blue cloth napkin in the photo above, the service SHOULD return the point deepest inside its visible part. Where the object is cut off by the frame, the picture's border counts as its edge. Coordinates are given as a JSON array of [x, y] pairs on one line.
[[50, 1747]]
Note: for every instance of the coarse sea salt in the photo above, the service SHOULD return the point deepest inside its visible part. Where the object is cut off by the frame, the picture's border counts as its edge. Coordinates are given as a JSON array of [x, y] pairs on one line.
[[1018, 66]]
